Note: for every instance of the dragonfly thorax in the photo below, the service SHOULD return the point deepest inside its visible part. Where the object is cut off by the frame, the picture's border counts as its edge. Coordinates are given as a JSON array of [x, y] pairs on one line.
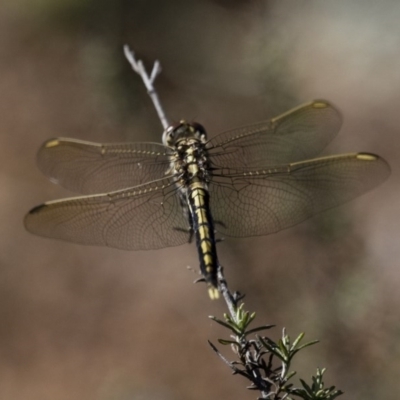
[[190, 161]]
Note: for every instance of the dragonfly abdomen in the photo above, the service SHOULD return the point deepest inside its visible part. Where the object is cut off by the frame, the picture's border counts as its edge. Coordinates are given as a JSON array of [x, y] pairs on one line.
[[203, 227]]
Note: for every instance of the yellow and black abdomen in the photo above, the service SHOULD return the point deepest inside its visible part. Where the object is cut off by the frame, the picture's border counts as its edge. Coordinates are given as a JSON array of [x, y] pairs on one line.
[[203, 228]]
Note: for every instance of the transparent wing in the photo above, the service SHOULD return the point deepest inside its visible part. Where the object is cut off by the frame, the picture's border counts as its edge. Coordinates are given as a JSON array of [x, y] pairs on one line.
[[89, 168], [247, 203], [145, 217], [299, 134]]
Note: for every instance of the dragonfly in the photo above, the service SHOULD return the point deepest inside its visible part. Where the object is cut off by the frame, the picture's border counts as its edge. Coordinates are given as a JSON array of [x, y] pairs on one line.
[[254, 180]]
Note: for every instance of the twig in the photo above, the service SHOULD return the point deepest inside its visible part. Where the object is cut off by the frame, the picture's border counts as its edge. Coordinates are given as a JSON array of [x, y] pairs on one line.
[[139, 68], [231, 300]]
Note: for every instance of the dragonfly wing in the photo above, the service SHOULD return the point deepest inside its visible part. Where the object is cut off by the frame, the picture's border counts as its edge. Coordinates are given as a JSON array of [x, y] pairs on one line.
[[144, 217], [88, 168], [299, 134], [248, 203]]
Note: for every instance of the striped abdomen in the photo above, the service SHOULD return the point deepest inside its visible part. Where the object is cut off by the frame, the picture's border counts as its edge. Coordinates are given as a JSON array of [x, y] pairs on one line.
[[203, 228]]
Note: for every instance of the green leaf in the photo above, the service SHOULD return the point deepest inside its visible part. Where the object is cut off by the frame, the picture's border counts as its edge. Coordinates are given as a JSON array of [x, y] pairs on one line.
[[259, 328], [290, 375], [297, 340], [316, 391], [231, 327], [272, 347], [228, 342], [283, 347], [306, 387], [307, 344]]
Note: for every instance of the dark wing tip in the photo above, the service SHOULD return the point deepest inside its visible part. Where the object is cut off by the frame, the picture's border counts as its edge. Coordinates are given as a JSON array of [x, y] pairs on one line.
[[36, 209], [30, 217]]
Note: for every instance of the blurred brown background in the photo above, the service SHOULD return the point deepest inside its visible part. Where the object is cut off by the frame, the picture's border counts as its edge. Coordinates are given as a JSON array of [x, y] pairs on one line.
[[95, 323]]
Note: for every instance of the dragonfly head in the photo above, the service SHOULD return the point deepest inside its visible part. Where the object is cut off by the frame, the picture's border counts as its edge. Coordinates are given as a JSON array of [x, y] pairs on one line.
[[183, 130]]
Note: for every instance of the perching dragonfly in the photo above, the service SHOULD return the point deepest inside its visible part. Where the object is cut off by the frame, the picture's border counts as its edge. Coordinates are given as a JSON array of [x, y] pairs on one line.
[[254, 180]]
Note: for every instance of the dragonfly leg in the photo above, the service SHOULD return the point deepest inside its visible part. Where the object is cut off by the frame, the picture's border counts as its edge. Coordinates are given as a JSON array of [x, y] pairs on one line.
[[220, 223], [189, 231]]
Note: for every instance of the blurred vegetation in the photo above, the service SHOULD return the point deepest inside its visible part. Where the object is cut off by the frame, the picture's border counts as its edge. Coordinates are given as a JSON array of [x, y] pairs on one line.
[[82, 322]]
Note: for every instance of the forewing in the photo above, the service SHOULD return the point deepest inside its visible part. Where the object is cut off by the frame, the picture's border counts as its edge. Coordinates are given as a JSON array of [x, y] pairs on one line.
[[88, 168], [145, 217], [247, 203], [299, 134]]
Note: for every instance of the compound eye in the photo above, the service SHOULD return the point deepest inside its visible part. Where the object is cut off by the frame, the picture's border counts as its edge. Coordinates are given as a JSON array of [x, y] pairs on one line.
[[168, 136], [199, 128]]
